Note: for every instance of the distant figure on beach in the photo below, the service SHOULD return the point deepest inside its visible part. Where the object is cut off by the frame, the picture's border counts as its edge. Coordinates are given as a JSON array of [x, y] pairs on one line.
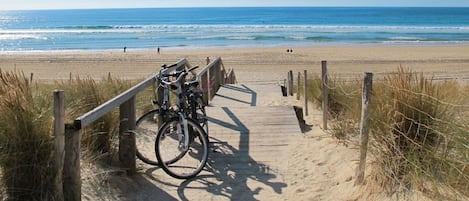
[[158, 50], [125, 48], [208, 60], [288, 50]]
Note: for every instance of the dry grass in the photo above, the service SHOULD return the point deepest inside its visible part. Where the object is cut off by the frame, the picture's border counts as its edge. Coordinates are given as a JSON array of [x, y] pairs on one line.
[[417, 141], [26, 145], [26, 141], [418, 127]]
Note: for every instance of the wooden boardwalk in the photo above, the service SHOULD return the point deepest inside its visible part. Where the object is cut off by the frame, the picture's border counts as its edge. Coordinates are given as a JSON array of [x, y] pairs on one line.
[[250, 142]]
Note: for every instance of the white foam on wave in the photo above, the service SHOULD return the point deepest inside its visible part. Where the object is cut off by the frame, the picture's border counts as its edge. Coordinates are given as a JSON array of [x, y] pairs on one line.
[[21, 37]]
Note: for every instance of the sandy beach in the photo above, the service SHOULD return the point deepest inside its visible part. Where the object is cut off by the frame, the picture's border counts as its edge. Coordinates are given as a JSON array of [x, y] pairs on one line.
[[250, 64], [324, 176]]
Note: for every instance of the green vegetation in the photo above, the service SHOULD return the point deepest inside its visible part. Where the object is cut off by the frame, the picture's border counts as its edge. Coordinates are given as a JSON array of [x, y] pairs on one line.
[[419, 131]]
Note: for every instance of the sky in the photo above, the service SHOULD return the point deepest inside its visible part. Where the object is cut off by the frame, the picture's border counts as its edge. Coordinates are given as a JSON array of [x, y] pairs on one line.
[[76, 4]]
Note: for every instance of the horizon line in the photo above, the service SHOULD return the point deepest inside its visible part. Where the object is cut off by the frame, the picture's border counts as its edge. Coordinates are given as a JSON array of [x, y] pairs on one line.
[[186, 7]]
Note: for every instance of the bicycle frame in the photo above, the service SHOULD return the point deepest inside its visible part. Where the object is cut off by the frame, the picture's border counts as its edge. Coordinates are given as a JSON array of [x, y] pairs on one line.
[[166, 84]]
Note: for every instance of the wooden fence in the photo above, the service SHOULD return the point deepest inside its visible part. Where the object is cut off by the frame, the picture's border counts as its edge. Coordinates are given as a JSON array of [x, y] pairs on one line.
[[366, 100], [67, 135], [213, 76]]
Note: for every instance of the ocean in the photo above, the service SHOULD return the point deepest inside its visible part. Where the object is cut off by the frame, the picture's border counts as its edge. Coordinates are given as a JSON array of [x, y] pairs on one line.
[[149, 28]]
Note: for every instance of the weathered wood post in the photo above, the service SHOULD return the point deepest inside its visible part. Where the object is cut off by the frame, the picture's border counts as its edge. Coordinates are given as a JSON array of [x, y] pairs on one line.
[[364, 128], [72, 175], [290, 83], [127, 150], [59, 137], [298, 87], [159, 99], [325, 108], [306, 92], [31, 77]]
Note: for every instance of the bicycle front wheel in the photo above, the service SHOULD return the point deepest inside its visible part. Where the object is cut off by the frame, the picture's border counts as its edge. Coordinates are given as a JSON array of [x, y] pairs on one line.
[[181, 162]]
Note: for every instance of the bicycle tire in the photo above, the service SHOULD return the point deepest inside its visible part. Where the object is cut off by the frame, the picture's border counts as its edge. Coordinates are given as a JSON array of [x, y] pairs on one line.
[[197, 111], [201, 114], [185, 163], [145, 131]]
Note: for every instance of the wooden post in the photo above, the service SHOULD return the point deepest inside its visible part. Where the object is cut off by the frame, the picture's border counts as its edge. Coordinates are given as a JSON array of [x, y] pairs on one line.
[[127, 137], [70, 76], [159, 99], [290, 83], [298, 87], [305, 91], [59, 131], [364, 129], [31, 77], [209, 85], [325, 108], [72, 176]]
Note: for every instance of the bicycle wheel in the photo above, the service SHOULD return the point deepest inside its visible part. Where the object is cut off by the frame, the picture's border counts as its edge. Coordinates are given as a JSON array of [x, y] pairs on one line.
[[198, 112], [145, 131], [181, 163]]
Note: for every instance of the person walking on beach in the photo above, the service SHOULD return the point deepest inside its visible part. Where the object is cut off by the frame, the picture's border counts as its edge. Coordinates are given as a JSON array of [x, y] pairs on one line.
[[125, 48], [158, 50], [208, 60]]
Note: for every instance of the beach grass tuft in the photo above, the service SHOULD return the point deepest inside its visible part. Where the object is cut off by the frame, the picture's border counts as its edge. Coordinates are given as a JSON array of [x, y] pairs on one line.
[[26, 144], [419, 130], [85, 94], [418, 134]]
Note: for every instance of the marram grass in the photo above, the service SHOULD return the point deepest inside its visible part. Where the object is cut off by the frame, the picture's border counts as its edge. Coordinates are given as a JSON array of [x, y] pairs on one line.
[[26, 145], [419, 131]]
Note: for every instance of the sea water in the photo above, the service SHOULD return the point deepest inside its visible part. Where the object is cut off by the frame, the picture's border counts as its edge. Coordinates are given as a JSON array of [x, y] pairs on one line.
[[149, 28]]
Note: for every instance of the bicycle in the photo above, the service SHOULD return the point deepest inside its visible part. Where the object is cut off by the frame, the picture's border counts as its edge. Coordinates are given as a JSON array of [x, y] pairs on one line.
[[181, 140]]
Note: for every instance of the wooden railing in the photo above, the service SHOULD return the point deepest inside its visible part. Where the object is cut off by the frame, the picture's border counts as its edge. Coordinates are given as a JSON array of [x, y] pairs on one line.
[[213, 76], [67, 136]]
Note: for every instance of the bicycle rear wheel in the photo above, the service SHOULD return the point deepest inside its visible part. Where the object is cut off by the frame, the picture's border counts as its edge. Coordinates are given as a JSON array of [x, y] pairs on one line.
[[181, 163], [145, 132], [198, 112]]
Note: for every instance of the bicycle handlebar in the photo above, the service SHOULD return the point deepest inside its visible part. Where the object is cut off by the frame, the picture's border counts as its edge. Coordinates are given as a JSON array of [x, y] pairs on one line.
[[179, 74]]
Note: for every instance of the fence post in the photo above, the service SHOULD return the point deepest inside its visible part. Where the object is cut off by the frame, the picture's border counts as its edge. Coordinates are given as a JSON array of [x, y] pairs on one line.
[[127, 137], [325, 108], [364, 129], [290, 83], [72, 176], [31, 77], [298, 87], [306, 92], [59, 131]]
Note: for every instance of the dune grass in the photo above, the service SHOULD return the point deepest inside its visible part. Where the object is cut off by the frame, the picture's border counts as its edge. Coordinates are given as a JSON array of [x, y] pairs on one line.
[[419, 131], [26, 126], [26, 145]]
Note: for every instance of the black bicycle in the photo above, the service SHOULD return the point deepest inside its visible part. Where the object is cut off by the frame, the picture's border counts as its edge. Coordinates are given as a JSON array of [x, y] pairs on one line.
[[181, 146]]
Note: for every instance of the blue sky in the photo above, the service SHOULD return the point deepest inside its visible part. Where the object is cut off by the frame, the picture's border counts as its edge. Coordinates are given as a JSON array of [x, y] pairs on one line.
[[61, 4]]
